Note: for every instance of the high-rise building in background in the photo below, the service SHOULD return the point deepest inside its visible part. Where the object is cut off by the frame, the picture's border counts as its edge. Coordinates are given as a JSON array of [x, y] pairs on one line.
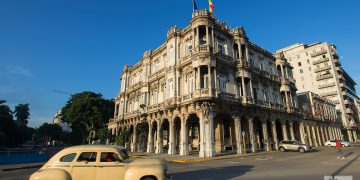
[[317, 68]]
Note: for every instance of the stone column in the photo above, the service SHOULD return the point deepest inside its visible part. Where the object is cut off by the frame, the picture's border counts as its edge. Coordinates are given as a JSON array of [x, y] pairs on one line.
[[322, 135], [239, 140], [247, 53], [309, 135], [209, 135], [318, 136], [265, 135], [302, 133], [150, 147], [252, 135], [251, 89], [197, 40], [292, 130], [213, 38], [282, 71], [210, 88], [184, 148], [202, 137], [198, 82], [355, 136], [276, 140], [134, 140], [284, 130], [172, 143], [215, 82], [350, 136], [243, 87], [207, 36], [159, 138], [314, 136], [326, 133]]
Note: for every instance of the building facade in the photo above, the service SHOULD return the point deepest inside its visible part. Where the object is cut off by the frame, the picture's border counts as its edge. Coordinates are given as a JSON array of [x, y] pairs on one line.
[[208, 89], [57, 120], [322, 114], [317, 69]]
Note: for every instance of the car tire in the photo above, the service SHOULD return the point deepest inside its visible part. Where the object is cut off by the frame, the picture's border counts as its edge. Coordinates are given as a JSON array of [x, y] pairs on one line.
[[282, 149], [342, 145], [148, 178], [302, 150]]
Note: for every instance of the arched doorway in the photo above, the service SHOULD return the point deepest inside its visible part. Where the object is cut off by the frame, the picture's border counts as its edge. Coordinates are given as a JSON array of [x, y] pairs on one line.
[[245, 134], [177, 134], [225, 139], [279, 132], [259, 135], [165, 135], [142, 131], [193, 126]]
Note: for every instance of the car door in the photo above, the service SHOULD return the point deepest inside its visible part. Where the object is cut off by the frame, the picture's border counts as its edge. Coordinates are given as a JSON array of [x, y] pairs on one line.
[[85, 166], [291, 145], [110, 167]]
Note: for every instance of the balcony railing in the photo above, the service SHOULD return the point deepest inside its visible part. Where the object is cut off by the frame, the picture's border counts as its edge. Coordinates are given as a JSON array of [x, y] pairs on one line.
[[322, 77], [324, 51], [224, 57], [321, 86], [328, 94], [227, 96], [321, 61], [187, 97], [323, 68]]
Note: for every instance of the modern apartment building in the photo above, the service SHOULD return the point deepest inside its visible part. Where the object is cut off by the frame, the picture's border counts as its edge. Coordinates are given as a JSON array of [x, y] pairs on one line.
[[208, 89], [317, 68]]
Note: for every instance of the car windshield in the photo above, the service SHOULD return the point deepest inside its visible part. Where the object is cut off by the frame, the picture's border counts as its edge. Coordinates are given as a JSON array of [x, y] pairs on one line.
[[123, 153]]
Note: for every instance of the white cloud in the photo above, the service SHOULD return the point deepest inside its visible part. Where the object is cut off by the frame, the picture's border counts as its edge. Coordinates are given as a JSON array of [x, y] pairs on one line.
[[9, 71]]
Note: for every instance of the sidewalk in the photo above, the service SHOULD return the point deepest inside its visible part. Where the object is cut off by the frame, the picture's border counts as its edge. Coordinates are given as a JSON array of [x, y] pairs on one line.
[[194, 157]]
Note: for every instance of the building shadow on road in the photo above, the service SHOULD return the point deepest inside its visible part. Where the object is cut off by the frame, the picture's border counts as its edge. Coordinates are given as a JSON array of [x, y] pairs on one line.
[[228, 172]]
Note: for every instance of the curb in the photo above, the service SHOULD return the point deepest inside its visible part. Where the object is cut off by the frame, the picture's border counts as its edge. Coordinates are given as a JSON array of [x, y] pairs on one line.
[[217, 158]]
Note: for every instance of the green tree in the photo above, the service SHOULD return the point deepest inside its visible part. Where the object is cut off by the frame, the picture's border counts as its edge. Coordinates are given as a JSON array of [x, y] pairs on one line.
[[22, 114], [87, 112], [103, 134], [122, 138], [7, 125], [49, 132]]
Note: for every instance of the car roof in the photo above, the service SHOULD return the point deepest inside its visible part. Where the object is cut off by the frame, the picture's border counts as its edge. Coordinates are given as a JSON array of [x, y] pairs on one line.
[[83, 148], [94, 148]]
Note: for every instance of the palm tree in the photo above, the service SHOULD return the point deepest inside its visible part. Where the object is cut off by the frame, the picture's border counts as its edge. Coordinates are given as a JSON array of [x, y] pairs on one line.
[[22, 114]]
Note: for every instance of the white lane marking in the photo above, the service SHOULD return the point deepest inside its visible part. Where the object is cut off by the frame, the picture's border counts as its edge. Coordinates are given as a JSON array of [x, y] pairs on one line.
[[235, 162], [264, 159], [330, 163]]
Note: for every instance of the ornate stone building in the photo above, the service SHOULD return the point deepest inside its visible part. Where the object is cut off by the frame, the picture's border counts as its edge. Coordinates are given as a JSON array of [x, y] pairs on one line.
[[208, 89]]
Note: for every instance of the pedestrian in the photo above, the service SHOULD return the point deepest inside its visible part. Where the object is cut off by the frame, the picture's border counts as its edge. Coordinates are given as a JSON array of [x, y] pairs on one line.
[[339, 150]]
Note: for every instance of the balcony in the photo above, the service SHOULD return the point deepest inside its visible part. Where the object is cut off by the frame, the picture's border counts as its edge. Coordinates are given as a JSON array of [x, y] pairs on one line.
[[324, 51], [322, 77], [227, 96], [243, 64], [347, 102], [187, 97], [322, 69], [326, 85], [321, 60], [328, 94], [223, 57], [349, 111], [203, 48]]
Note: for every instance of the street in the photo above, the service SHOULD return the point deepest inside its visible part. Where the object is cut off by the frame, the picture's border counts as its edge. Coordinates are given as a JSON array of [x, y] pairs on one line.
[[276, 165]]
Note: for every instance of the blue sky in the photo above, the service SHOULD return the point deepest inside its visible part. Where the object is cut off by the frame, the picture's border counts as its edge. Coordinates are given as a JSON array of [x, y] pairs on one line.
[[79, 45]]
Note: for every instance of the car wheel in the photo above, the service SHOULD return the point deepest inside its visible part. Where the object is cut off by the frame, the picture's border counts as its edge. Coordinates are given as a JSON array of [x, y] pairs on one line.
[[148, 178], [282, 149], [342, 145], [329, 145], [302, 150]]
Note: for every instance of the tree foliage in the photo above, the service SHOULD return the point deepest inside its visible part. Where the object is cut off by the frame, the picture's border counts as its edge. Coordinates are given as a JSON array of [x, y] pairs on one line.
[[22, 114], [122, 137], [87, 112], [12, 135]]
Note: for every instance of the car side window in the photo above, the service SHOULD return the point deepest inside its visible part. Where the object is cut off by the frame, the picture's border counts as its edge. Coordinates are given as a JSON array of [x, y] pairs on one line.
[[109, 157], [87, 157], [68, 157]]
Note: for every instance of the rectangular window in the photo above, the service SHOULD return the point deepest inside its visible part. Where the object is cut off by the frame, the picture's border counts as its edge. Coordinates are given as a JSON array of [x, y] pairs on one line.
[[109, 157], [87, 157], [301, 71], [171, 88], [299, 63]]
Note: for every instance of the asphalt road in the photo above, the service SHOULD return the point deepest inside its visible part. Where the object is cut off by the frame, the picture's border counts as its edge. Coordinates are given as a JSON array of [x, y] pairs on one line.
[[276, 165]]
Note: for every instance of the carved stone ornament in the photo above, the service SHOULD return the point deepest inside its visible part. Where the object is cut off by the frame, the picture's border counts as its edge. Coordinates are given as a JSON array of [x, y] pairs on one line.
[[205, 108]]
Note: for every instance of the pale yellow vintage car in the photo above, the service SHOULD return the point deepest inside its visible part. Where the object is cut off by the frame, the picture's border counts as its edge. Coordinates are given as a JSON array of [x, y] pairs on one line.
[[100, 162]]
